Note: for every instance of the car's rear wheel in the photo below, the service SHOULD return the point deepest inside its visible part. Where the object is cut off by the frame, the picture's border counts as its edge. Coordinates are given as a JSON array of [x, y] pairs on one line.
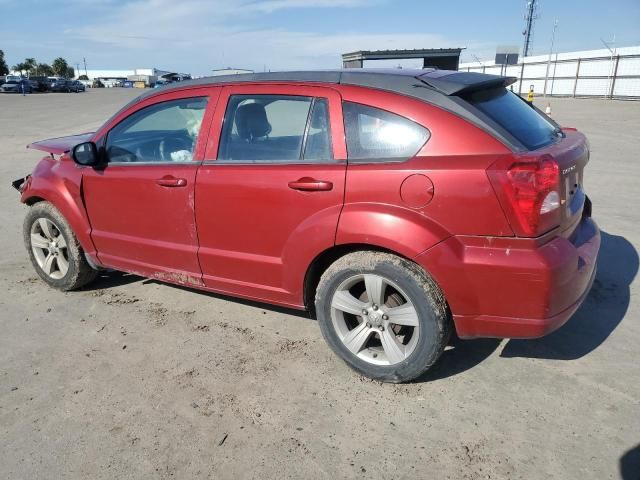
[[54, 250], [383, 315]]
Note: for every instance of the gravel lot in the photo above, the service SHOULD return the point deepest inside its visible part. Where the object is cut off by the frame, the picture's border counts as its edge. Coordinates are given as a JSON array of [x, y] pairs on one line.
[[132, 378]]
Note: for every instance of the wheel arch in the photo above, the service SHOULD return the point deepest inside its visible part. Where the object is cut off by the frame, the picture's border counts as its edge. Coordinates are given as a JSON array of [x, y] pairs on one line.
[[32, 200], [400, 230], [65, 196], [324, 259]]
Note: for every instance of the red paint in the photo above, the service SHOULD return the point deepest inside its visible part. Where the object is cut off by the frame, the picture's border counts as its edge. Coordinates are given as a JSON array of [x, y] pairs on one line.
[[253, 230], [514, 287], [60, 145], [146, 227], [416, 191], [258, 235]]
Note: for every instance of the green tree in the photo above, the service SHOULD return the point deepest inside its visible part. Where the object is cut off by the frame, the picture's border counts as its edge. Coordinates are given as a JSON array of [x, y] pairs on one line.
[[44, 69], [83, 77], [70, 72], [30, 65], [60, 67], [20, 68], [4, 69]]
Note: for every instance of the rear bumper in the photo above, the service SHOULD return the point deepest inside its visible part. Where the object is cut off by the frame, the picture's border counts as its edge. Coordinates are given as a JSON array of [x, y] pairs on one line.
[[474, 326], [514, 288]]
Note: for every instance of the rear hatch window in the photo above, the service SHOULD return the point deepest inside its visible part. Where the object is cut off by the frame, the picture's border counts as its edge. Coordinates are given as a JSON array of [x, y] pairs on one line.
[[522, 121]]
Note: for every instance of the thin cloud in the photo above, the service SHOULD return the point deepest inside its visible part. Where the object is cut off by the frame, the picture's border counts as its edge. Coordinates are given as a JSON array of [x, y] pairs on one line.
[[198, 36], [273, 5]]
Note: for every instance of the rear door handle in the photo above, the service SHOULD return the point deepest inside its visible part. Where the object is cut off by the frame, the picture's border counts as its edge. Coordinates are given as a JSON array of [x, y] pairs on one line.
[[308, 184], [171, 181]]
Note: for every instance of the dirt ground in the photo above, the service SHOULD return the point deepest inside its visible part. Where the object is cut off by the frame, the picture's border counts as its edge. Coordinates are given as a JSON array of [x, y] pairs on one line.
[[131, 378]]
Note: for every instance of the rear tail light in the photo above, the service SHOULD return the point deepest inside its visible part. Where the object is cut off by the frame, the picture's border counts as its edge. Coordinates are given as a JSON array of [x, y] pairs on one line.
[[529, 192]]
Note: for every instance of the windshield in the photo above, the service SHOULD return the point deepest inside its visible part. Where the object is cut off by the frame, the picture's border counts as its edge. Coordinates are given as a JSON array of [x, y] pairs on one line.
[[522, 121]]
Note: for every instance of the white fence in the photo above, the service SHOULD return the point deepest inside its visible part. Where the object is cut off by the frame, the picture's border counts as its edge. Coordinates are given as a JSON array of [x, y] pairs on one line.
[[595, 73]]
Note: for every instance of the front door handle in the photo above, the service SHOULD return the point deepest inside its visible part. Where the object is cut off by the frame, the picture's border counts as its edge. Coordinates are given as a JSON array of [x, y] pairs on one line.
[[308, 184], [171, 181]]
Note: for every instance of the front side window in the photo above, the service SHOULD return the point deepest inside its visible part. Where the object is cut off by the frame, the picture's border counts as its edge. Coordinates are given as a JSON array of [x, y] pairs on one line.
[[164, 132], [377, 135], [275, 129]]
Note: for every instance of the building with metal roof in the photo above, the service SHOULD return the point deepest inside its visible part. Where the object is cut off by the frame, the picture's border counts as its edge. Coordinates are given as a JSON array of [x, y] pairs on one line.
[[439, 58]]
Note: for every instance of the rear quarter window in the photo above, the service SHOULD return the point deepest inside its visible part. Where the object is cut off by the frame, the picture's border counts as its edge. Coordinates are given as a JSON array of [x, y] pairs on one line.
[[526, 124], [377, 135]]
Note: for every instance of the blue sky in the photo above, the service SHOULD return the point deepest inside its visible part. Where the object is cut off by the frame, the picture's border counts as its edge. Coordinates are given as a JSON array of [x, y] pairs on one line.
[[199, 35]]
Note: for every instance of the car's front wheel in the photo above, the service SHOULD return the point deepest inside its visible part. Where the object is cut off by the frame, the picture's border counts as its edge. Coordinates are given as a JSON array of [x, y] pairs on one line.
[[54, 250], [383, 315]]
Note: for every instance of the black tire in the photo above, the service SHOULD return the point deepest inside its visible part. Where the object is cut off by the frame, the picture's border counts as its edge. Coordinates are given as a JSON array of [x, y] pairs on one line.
[[433, 315], [79, 272]]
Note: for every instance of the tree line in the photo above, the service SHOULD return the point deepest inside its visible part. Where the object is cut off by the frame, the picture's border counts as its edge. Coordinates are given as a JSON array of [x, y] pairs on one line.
[[30, 66]]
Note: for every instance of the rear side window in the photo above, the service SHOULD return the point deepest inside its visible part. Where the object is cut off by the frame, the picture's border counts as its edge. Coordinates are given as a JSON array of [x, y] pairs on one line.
[[530, 127], [378, 135], [275, 129]]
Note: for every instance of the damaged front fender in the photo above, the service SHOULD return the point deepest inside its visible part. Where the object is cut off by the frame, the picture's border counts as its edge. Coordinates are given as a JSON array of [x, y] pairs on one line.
[[21, 184]]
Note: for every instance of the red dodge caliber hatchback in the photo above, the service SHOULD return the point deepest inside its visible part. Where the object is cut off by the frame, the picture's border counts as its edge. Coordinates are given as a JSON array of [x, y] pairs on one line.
[[399, 205]]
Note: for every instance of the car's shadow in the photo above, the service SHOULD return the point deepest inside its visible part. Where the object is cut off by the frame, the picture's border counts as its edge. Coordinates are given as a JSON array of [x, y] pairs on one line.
[[602, 311], [460, 355], [113, 278], [630, 464]]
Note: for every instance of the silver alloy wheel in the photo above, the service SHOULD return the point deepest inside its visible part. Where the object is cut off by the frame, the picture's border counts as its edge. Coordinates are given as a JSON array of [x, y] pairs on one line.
[[375, 319], [49, 248]]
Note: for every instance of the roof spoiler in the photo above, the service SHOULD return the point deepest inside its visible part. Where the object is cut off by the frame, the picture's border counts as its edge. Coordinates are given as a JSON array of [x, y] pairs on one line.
[[459, 83]]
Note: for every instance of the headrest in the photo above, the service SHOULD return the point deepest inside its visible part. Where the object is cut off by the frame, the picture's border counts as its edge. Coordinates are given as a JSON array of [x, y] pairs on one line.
[[251, 121]]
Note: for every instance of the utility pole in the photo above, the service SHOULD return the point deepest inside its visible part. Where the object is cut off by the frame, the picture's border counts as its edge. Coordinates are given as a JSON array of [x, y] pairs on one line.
[[553, 39], [84, 60], [529, 19]]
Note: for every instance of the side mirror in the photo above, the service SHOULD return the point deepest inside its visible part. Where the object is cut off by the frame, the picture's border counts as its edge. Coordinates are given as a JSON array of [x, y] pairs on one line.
[[86, 154]]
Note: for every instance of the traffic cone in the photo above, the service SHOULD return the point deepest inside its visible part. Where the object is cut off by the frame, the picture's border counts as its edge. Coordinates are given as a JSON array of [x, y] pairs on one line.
[[548, 110]]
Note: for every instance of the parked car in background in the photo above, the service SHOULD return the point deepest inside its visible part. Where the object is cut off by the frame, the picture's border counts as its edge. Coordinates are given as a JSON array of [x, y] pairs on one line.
[[398, 214], [61, 85], [16, 86], [76, 86], [112, 83], [9, 86], [40, 83]]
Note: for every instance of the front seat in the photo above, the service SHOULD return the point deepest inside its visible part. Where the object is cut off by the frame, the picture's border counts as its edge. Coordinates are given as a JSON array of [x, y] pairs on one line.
[[251, 122]]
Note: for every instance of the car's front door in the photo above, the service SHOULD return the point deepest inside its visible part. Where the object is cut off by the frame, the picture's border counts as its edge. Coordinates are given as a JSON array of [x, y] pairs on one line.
[[270, 190], [141, 204]]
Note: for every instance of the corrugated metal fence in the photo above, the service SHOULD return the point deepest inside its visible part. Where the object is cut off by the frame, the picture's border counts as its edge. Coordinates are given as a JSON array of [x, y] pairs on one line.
[[575, 74]]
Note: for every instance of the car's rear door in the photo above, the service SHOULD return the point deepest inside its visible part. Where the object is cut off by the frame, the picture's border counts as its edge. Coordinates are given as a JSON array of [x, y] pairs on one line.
[[270, 190], [140, 205]]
